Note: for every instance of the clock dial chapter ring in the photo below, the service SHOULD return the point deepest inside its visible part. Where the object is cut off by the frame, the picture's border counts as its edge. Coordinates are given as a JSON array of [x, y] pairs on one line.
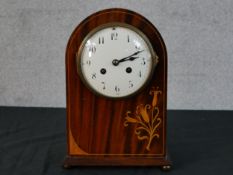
[[102, 55]]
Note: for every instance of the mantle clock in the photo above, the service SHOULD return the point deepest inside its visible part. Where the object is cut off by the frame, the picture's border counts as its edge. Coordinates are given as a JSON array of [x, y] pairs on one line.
[[116, 80]]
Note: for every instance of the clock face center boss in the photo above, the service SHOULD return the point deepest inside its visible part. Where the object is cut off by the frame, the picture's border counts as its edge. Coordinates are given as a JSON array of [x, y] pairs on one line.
[[116, 60], [116, 79]]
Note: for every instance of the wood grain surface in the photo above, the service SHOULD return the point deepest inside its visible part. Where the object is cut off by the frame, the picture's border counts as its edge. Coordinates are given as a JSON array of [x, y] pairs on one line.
[[95, 124]]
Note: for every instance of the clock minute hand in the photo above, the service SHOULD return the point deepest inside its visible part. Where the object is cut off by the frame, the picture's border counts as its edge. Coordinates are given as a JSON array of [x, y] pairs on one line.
[[128, 59], [131, 57], [135, 53]]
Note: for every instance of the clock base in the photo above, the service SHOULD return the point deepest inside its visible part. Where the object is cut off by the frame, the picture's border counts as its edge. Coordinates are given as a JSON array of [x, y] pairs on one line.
[[163, 162]]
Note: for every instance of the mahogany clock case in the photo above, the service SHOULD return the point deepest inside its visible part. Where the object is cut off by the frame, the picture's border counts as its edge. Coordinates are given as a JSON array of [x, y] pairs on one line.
[[125, 131]]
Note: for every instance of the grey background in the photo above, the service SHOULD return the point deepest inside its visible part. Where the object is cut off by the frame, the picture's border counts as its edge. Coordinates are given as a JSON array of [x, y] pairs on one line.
[[198, 35]]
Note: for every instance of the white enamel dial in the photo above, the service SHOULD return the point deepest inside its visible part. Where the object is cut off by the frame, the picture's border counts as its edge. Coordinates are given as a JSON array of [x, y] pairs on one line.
[[116, 61]]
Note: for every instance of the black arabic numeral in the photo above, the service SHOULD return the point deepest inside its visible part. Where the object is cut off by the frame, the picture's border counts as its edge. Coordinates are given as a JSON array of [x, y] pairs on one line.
[[93, 76], [137, 47], [103, 83], [140, 74], [128, 38], [143, 61], [117, 89], [130, 84], [101, 40], [114, 36], [92, 49], [88, 62]]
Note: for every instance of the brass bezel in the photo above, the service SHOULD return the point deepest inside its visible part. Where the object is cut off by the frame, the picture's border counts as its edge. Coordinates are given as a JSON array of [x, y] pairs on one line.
[[154, 57]]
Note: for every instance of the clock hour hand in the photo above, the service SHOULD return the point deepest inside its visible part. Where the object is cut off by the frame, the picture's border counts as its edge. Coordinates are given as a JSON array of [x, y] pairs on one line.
[[131, 57]]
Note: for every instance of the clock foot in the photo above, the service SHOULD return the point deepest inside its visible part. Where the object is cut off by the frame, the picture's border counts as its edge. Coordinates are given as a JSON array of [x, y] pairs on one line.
[[166, 167], [167, 164], [66, 166]]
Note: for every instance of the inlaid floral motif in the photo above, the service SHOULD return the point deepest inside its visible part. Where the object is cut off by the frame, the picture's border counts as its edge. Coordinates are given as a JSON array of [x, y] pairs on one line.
[[146, 118]]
